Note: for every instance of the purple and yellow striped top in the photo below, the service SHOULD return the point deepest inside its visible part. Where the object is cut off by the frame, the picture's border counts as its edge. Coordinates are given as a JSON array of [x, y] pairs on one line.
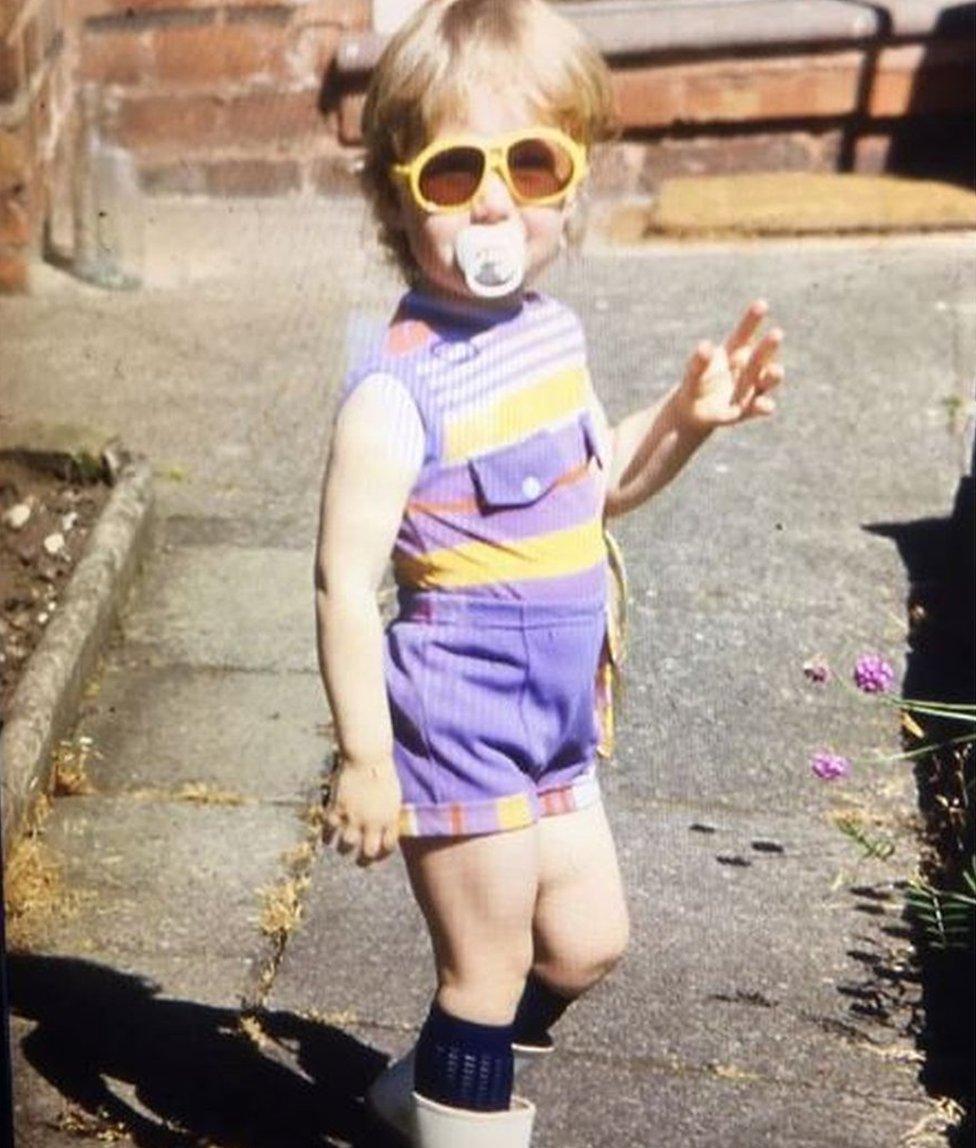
[[509, 499]]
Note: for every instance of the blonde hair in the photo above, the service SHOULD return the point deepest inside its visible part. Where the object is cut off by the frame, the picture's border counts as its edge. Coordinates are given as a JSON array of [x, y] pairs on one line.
[[450, 49]]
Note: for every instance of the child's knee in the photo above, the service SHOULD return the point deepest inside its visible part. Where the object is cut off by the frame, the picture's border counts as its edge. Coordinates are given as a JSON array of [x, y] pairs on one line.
[[579, 964], [487, 984]]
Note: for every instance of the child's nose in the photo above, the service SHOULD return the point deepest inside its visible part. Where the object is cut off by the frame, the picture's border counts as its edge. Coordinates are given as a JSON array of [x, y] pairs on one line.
[[493, 201]]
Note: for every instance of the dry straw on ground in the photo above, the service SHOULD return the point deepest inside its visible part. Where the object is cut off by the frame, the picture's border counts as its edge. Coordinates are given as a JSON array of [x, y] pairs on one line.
[[33, 888]]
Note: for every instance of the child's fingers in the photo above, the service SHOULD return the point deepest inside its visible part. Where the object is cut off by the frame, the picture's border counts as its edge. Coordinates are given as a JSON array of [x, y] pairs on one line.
[[391, 834], [747, 327], [348, 840], [770, 377], [697, 364], [759, 364], [372, 847]]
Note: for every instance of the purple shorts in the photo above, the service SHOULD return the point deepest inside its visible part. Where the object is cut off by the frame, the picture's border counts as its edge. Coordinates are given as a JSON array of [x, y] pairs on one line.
[[494, 710]]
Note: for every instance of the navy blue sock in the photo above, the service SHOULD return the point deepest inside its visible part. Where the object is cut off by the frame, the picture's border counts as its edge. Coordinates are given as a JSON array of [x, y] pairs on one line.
[[537, 1012], [464, 1064]]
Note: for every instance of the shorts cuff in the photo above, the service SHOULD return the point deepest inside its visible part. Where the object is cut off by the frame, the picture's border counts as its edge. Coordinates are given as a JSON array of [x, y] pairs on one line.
[[582, 791], [498, 814], [469, 819]]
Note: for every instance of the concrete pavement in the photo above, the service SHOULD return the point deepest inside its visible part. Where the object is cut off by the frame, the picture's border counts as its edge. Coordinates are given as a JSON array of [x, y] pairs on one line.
[[764, 997]]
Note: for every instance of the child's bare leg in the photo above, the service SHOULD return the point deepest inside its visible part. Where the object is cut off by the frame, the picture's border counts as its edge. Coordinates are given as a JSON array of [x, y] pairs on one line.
[[580, 925], [478, 895]]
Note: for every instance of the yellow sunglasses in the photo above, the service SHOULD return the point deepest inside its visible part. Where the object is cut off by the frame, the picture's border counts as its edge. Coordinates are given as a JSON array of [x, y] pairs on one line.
[[539, 166]]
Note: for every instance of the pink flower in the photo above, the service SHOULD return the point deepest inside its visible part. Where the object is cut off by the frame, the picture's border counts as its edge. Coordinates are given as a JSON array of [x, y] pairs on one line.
[[829, 766], [872, 674]]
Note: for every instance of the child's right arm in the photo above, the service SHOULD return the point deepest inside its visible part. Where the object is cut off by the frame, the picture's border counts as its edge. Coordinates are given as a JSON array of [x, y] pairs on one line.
[[377, 451]]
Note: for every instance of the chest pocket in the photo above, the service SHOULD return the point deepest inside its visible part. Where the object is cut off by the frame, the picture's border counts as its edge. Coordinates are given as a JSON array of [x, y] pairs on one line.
[[523, 472]]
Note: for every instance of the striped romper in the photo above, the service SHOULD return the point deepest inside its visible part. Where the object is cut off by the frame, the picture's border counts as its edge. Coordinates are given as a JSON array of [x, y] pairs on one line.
[[501, 567]]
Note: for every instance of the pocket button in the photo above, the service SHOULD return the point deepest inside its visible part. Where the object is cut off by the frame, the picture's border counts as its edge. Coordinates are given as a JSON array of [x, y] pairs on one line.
[[531, 486]]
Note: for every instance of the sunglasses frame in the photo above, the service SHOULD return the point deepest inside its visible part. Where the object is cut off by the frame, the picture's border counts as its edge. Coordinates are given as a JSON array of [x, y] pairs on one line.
[[495, 152]]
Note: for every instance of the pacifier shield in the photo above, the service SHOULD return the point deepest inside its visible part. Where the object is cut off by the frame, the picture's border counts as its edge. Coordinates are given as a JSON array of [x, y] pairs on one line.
[[491, 257]]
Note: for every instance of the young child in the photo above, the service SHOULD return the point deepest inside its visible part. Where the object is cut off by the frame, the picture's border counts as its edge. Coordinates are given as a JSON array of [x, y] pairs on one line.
[[473, 447]]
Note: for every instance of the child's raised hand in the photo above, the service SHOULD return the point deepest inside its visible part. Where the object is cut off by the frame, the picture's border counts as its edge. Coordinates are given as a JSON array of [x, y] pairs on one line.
[[363, 810], [732, 383]]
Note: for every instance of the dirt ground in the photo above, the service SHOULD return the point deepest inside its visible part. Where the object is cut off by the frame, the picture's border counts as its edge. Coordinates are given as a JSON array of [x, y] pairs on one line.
[[37, 556]]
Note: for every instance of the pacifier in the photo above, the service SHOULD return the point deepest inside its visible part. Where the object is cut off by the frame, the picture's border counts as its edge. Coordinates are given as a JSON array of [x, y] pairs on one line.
[[491, 257]]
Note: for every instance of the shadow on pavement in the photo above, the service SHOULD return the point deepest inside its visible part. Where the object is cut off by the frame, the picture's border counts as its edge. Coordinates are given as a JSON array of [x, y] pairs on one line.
[[940, 559], [195, 1076]]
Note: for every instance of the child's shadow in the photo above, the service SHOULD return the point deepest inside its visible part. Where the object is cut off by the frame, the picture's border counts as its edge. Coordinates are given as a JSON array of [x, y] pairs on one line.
[[195, 1076]]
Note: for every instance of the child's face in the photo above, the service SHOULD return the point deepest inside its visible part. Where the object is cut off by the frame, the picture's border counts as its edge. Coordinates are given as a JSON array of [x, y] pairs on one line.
[[432, 235]]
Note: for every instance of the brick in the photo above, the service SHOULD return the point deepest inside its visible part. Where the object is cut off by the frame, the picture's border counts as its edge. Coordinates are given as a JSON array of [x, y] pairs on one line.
[[8, 13], [335, 173], [232, 177], [15, 229], [347, 16], [14, 271], [921, 79], [275, 118], [14, 158], [911, 77], [725, 91], [13, 70], [637, 167], [161, 122], [115, 57], [350, 15], [241, 54]]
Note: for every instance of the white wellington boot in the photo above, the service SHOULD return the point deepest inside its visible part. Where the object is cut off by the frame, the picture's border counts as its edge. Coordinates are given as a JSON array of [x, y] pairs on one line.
[[438, 1126], [390, 1096]]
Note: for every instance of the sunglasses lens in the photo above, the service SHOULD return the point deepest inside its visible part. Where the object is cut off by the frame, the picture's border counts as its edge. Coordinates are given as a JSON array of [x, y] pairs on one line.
[[451, 177], [539, 167]]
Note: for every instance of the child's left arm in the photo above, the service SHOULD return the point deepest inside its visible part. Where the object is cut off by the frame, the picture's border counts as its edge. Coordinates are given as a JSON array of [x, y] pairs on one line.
[[722, 386]]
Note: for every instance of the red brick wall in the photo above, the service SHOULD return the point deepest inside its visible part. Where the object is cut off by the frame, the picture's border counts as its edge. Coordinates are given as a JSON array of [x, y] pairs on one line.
[[36, 96], [221, 96]]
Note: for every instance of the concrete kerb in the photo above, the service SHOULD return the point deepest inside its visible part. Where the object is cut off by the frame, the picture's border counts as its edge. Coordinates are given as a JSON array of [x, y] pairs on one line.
[[46, 700]]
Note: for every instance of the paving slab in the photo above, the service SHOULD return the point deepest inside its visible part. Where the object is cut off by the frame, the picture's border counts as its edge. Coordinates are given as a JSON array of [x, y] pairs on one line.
[[253, 734], [228, 606], [636, 1108], [152, 876]]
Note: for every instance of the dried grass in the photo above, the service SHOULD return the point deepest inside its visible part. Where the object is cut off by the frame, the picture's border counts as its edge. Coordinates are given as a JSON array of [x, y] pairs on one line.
[[33, 889], [282, 908], [77, 1122], [931, 1131], [200, 793], [69, 769], [251, 1028], [193, 792]]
